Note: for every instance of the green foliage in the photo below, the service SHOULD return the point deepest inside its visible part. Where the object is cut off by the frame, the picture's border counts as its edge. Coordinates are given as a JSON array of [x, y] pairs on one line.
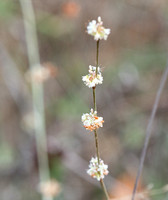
[[147, 58], [7, 155], [7, 9], [57, 170], [53, 26], [67, 107], [134, 134]]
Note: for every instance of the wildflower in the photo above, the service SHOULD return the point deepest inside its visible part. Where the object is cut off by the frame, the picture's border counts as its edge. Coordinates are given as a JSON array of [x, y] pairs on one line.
[[97, 30], [50, 188], [41, 73], [91, 121], [92, 79], [97, 169]]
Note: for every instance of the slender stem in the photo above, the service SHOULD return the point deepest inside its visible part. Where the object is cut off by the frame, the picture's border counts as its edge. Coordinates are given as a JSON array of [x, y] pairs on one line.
[[37, 91], [104, 189], [94, 98], [97, 145], [149, 129], [95, 131], [97, 55], [98, 157]]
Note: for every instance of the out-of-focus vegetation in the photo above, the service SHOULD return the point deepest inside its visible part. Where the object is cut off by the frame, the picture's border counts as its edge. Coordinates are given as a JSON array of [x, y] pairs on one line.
[[133, 57]]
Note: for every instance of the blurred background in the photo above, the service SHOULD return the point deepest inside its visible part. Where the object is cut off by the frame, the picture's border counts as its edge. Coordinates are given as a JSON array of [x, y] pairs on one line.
[[133, 60]]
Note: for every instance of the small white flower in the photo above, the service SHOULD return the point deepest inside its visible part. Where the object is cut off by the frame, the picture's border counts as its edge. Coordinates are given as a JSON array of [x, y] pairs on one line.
[[91, 80], [91, 121], [97, 30], [97, 169], [92, 27]]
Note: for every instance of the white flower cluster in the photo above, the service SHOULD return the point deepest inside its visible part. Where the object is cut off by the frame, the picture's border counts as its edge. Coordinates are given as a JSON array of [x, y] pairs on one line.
[[97, 170], [92, 79], [97, 30], [91, 121]]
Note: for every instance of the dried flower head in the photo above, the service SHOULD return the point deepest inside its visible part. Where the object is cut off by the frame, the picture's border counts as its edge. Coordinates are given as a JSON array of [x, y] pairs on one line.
[[91, 80], [91, 121], [97, 30], [97, 170], [50, 188], [40, 73], [53, 70], [71, 9]]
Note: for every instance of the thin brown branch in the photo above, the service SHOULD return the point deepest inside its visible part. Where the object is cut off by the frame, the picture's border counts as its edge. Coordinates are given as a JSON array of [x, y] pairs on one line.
[[149, 129]]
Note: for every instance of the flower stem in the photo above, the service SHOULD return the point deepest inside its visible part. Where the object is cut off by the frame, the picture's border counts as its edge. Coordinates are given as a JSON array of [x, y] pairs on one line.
[[95, 131], [97, 56], [98, 157], [104, 189], [97, 146], [94, 98]]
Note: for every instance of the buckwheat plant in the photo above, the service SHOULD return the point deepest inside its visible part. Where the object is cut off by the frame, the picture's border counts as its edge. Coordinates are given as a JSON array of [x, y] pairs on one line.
[[91, 121]]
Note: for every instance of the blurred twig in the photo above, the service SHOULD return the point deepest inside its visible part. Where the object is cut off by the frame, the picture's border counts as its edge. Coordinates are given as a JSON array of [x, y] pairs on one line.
[[22, 98], [149, 129], [14, 81], [37, 91]]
